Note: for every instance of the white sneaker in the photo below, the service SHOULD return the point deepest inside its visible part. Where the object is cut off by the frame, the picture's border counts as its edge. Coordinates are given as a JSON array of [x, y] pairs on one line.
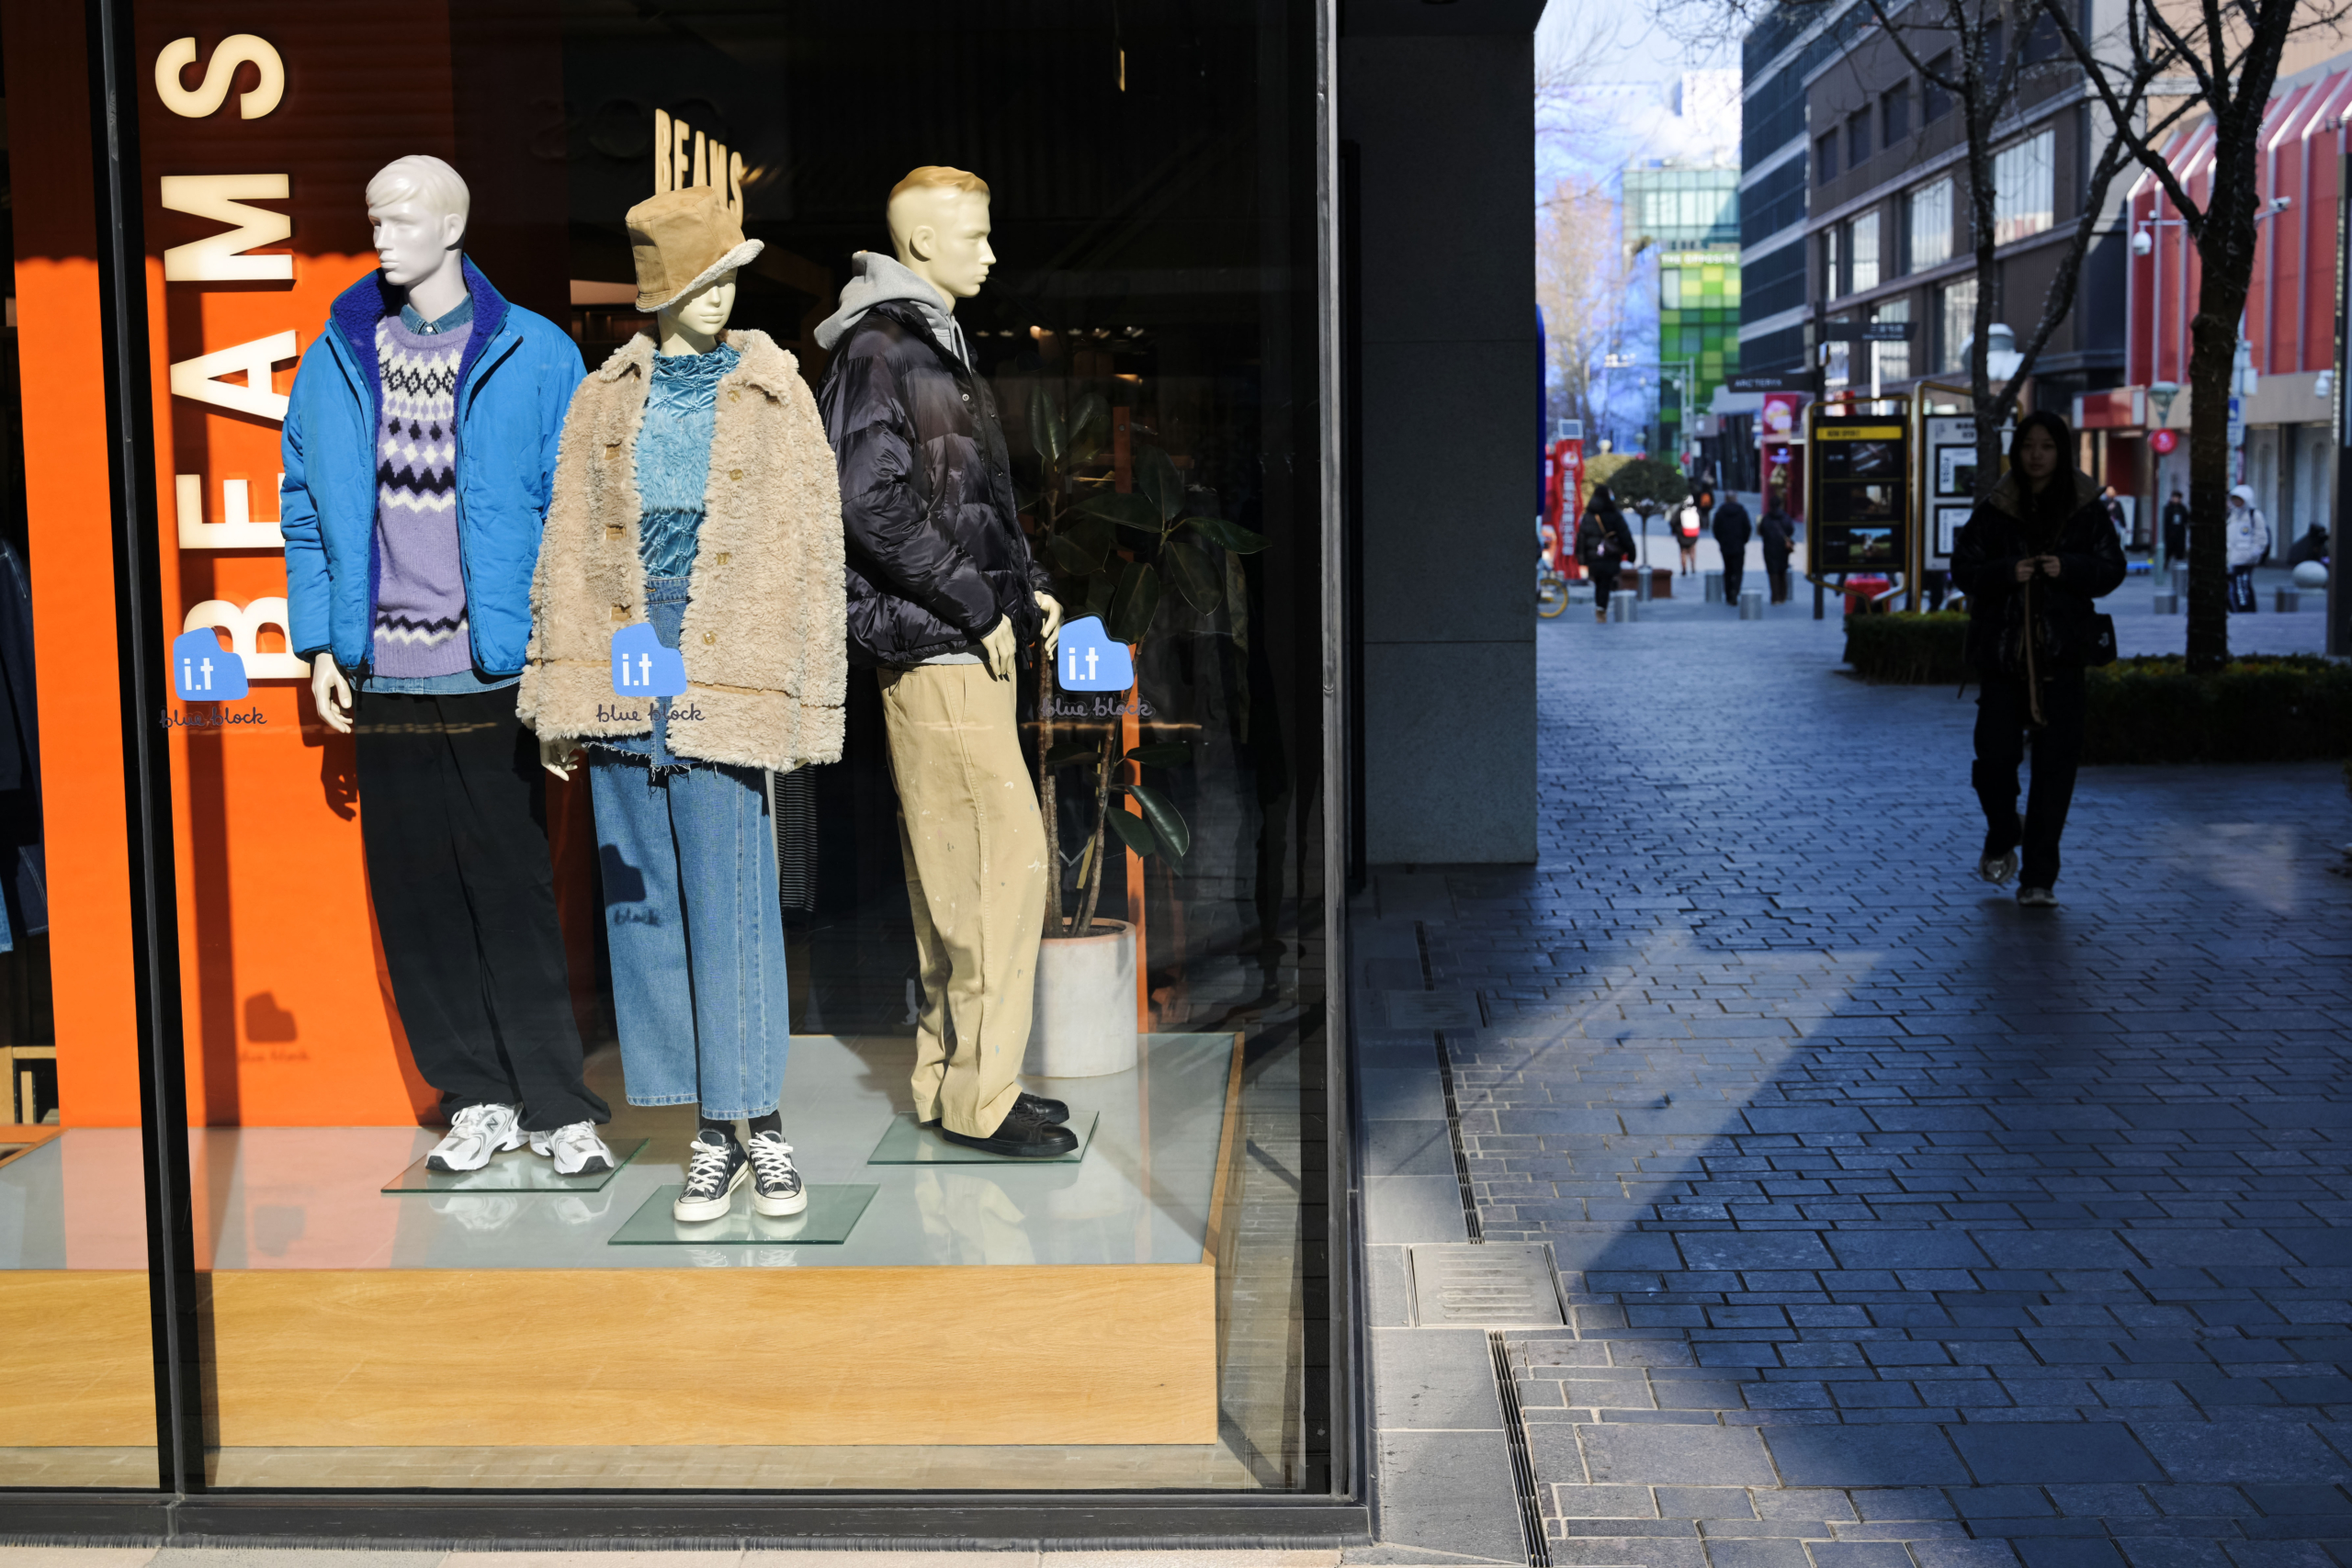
[[776, 1189], [576, 1150], [2036, 897], [475, 1134]]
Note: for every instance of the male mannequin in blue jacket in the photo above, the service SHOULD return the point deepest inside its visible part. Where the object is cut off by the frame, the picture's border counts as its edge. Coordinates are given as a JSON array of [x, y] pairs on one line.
[[420, 447]]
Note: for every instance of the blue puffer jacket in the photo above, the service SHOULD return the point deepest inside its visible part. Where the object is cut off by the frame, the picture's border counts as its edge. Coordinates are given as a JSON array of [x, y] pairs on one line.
[[514, 384]]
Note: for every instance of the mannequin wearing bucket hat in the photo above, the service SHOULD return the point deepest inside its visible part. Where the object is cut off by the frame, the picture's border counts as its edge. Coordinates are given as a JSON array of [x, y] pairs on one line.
[[696, 496], [942, 590]]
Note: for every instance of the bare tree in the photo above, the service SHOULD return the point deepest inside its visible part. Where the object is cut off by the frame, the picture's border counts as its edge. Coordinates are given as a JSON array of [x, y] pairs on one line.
[[2231, 49], [1582, 276], [1982, 53]]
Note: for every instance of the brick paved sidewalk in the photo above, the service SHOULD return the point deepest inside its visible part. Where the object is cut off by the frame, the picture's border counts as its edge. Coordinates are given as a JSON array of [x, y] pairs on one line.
[[1900, 1225]]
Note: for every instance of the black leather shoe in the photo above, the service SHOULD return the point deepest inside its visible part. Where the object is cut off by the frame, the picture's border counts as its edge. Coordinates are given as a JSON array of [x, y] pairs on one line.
[[1023, 1134], [1051, 1111]]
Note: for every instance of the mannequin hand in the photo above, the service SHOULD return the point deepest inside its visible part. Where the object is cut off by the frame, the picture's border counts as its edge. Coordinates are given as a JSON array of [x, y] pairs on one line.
[[1053, 633], [331, 692], [997, 648], [559, 758]]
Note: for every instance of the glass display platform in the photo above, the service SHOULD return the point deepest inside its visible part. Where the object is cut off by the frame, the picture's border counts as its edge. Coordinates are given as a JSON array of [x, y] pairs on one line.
[[517, 1170], [1107, 1277], [832, 1214], [909, 1142]]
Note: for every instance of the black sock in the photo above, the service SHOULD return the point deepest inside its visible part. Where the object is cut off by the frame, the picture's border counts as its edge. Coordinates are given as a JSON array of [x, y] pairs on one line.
[[771, 1122], [724, 1129]]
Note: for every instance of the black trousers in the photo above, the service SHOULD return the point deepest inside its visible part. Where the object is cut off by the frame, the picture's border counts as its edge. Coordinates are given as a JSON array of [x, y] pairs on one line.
[[1776, 571], [1734, 572], [2002, 716], [1604, 583], [453, 811]]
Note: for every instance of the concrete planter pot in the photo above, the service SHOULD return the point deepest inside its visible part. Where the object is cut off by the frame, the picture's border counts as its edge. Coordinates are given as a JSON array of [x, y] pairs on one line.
[[1083, 1024]]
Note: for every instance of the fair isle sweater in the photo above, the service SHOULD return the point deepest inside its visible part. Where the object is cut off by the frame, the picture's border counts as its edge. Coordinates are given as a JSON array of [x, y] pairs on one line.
[[421, 592]]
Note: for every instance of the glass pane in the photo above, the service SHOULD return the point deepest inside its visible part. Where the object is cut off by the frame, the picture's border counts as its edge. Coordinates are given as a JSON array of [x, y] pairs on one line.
[[775, 883], [77, 1400]]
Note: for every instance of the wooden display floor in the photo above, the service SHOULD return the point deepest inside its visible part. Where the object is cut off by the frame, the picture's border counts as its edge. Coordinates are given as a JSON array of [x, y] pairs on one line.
[[971, 1305]]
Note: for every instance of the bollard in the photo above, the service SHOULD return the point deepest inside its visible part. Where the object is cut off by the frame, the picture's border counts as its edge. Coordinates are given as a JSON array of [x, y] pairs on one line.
[[2287, 601], [1716, 588], [1751, 605], [1579, 593], [2167, 601], [1623, 606]]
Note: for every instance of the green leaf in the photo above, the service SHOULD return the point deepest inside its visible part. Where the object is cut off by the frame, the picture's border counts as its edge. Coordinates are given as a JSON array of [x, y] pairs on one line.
[[1070, 751], [1134, 512], [1089, 422], [1098, 592], [1166, 754], [1166, 823], [1133, 830], [1044, 421], [1079, 548], [1158, 479], [1232, 536], [1133, 604], [1196, 574], [1055, 430]]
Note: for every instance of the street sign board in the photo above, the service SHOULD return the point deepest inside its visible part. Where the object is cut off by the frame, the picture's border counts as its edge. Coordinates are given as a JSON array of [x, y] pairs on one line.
[[1859, 502]]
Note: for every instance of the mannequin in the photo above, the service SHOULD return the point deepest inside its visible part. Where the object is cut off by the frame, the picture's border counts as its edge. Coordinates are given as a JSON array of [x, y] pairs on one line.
[[941, 594], [696, 494], [415, 486]]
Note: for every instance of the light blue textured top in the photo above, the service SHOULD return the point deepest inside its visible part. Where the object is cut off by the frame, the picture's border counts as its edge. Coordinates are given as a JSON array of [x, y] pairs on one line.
[[673, 456]]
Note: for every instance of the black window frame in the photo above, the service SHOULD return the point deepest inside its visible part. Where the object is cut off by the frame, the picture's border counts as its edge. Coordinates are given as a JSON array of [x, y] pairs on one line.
[[181, 1509]]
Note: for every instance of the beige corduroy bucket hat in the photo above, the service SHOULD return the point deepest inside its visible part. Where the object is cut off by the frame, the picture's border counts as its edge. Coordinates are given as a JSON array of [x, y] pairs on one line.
[[683, 239]]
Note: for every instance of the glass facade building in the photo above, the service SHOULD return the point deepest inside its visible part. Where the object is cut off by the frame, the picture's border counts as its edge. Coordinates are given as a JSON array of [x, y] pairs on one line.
[[234, 1283], [1692, 217]]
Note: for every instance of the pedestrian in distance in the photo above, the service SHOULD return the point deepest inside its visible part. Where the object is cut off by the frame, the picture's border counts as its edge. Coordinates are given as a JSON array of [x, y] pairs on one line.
[[1603, 543], [1687, 525], [2247, 540], [1780, 536], [2035, 555], [2176, 527], [1731, 532]]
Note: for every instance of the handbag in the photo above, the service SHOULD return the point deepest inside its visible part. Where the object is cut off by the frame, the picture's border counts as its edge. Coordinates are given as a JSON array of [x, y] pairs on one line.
[[2101, 647]]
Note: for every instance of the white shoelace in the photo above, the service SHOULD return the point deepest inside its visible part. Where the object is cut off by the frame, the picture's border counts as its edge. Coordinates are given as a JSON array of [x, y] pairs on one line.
[[578, 1139], [475, 1121], [772, 1162], [708, 1169]]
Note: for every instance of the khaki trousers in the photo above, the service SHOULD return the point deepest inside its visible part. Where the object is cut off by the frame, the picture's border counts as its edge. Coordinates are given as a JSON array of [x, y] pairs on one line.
[[974, 850]]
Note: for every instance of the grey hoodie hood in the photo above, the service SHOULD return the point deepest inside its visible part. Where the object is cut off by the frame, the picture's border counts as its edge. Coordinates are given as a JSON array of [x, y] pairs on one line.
[[876, 280]]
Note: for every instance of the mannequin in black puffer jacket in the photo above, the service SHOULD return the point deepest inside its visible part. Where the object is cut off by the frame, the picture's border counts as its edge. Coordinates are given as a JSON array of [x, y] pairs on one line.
[[936, 555]]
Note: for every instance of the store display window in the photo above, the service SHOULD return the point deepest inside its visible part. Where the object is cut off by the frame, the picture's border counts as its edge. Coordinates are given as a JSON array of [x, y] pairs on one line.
[[726, 608]]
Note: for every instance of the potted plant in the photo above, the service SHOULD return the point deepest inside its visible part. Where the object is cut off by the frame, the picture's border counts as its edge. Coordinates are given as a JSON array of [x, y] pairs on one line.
[[1111, 553]]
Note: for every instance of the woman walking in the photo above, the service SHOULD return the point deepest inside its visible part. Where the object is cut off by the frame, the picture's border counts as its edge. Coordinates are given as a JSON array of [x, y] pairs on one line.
[[1603, 543], [2034, 555], [1688, 523], [1780, 538], [2248, 539]]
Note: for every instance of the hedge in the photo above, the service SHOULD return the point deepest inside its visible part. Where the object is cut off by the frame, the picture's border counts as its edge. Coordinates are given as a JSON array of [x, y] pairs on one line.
[[1913, 649], [2260, 708], [2292, 707]]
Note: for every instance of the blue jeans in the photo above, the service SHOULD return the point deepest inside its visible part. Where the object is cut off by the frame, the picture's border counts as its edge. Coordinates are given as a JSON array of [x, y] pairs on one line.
[[695, 930]]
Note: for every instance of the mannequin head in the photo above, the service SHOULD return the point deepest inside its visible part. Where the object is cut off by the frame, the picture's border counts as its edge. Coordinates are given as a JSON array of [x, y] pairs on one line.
[[417, 207], [939, 226], [691, 324]]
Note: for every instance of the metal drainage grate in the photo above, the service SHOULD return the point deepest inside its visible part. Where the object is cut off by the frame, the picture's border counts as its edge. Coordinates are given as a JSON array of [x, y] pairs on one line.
[[1485, 1286], [1433, 1009]]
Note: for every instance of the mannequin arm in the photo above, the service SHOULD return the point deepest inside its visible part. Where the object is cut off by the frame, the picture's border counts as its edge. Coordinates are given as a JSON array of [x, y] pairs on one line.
[[559, 757], [1050, 635]]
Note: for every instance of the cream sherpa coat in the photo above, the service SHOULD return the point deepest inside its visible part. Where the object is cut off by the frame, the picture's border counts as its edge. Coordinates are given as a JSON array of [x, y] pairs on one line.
[[764, 639]]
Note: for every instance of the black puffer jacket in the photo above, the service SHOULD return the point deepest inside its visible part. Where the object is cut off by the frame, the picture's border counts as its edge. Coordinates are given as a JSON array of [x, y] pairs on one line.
[[1998, 534], [936, 556]]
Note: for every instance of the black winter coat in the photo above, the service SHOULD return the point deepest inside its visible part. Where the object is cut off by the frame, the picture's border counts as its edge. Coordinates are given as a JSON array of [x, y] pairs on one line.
[[1731, 526], [936, 556], [1602, 538], [1998, 534]]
